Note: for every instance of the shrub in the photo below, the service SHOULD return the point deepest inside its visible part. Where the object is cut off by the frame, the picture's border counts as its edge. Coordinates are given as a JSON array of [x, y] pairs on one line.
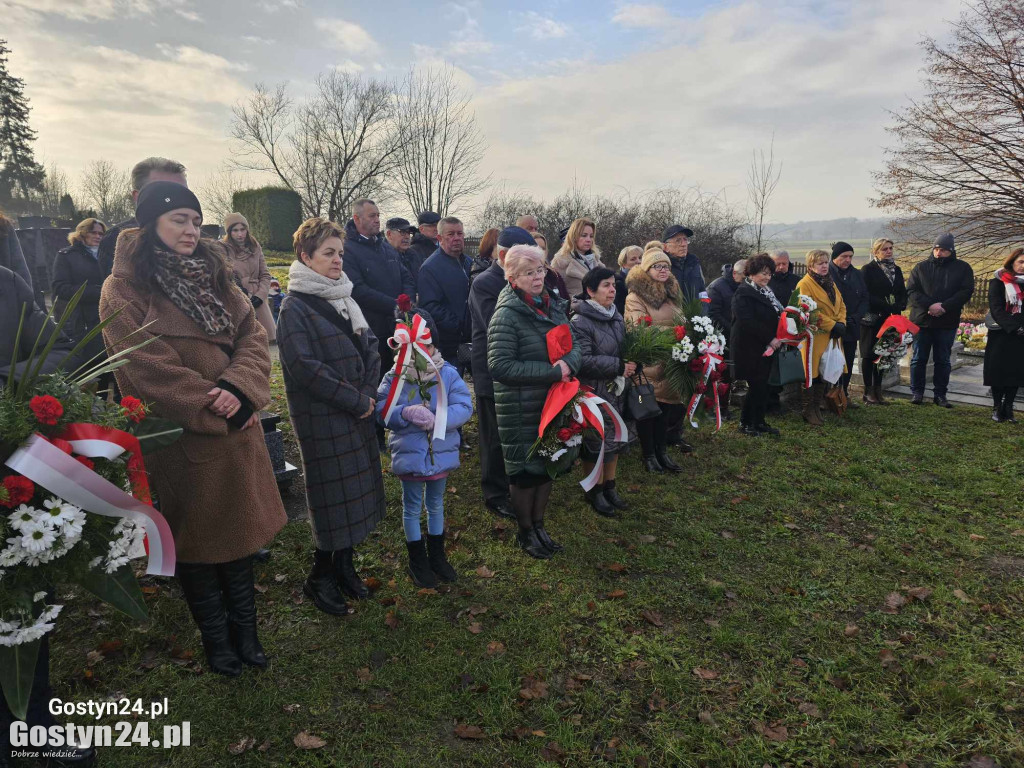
[[274, 213]]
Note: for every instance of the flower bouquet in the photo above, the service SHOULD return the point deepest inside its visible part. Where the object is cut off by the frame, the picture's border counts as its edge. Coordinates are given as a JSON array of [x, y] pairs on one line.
[[964, 331], [798, 322], [894, 339], [696, 362], [647, 344], [67, 459]]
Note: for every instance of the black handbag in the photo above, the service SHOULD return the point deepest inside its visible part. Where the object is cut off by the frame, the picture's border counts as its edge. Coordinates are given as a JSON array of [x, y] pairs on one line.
[[788, 366], [990, 322], [640, 401]]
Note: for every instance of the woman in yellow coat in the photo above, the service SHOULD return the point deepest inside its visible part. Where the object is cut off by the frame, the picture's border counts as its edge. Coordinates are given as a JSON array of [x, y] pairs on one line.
[[818, 284]]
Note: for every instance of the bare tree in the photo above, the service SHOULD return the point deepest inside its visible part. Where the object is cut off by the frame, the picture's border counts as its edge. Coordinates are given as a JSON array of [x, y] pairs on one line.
[[762, 180], [958, 163], [334, 147], [441, 146], [55, 187], [216, 193], [108, 190]]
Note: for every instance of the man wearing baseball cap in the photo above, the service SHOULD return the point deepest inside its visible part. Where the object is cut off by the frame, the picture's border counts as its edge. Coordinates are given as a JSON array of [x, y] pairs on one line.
[[685, 265], [424, 242], [399, 232]]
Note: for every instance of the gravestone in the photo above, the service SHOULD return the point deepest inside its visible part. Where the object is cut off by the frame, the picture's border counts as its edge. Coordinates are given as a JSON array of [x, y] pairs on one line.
[[284, 472]]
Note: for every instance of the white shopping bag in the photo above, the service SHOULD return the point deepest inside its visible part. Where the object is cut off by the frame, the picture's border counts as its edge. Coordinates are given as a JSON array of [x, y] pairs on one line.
[[833, 361]]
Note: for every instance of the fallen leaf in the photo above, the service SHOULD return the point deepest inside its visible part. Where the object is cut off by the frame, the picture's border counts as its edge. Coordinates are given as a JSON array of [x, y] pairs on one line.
[[705, 717], [364, 675], [427, 591], [264, 746], [982, 761], [591, 605], [728, 535], [615, 567], [291, 708], [811, 710], [977, 537], [532, 688], [893, 602], [646, 538], [280, 578], [919, 593], [476, 628], [242, 745], [297, 597], [791, 526], [616, 594], [538, 733], [887, 657], [772, 733], [464, 731], [495, 648], [110, 647], [308, 741], [484, 572], [372, 583], [553, 751], [148, 591], [705, 674], [653, 617], [852, 630], [92, 658], [260, 588], [1018, 532], [961, 595], [478, 610], [391, 620]]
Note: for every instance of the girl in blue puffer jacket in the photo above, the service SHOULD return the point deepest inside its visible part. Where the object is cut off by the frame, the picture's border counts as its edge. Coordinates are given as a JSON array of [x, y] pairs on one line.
[[421, 469]]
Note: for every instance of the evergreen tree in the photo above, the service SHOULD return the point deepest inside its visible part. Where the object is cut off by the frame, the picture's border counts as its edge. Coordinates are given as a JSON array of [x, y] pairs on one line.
[[19, 172]]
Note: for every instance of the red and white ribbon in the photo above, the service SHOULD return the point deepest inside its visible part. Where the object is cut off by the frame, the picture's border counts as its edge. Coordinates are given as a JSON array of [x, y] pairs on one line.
[[788, 333], [591, 414], [409, 342], [49, 467], [710, 362]]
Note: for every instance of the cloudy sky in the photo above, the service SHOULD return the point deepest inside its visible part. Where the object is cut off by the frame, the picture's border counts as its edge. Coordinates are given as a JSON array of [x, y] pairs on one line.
[[616, 96]]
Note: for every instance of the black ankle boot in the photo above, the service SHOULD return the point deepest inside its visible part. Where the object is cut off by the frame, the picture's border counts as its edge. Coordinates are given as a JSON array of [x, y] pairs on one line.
[[1007, 411], [419, 565], [203, 594], [613, 496], [651, 465], [236, 580], [348, 579], [322, 586], [439, 560], [542, 535], [666, 462], [531, 545], [595, 497]]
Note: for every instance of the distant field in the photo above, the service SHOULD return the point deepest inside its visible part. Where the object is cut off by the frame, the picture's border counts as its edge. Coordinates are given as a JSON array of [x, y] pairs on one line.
[[906, 255]]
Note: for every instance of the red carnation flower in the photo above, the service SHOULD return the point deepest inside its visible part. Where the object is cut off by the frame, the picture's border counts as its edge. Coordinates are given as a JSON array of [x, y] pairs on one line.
[[680, 332], [576, 428], [46, 408], [17, 490], [133, 408], [64, 445], [648, 320], [404, 302], [85, 461], [563, 434]]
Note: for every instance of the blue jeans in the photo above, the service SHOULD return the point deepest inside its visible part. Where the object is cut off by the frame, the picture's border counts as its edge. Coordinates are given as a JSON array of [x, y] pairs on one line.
[[412, 507], [940, 342]]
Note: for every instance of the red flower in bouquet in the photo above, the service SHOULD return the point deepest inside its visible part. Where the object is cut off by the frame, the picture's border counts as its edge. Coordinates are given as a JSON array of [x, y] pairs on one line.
[[86, 462], [17, 489], [133, 408], [46, 408], [576, 427], [563, 434], [404, 302], [648, 320], [64, 445], [680, 332]]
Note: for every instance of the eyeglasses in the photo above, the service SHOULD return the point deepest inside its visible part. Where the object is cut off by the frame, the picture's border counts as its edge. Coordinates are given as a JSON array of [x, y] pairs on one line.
[[535, 272], [661, 267]]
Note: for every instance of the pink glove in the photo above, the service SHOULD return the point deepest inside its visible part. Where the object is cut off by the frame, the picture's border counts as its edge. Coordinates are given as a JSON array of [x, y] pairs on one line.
[[420, 416]]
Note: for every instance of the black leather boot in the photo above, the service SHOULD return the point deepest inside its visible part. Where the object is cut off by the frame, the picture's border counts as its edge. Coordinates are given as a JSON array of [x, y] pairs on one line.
[[419, 565], [203, 594], [595, 497], [613, 496], [651, 465], [348, 579], [439, 560], [322, 587], [236, 579], [545, 539], [531, 544], [666, 462]]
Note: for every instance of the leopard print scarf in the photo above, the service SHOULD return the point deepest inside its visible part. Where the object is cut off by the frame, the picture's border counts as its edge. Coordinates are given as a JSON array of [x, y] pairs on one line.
[[189, 285]]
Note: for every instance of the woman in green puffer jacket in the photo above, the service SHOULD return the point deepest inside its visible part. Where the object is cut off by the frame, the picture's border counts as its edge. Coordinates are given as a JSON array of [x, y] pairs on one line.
[[517, 356]]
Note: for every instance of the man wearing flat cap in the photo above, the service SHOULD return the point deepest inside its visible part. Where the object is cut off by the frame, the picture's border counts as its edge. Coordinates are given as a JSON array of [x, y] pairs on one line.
[[483, 295], [399, 233], [424, 241]]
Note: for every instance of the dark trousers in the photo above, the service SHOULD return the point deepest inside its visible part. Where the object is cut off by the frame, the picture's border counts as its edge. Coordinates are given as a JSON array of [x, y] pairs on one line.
[[755, 406], [937, 342], [1004, 396], [654, 432], [493, 479], [850, 352], [867, 355]]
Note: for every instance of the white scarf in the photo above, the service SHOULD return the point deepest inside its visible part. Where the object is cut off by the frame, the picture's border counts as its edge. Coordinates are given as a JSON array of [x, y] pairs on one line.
[[767, 292], [337, 293], [1014, 290]]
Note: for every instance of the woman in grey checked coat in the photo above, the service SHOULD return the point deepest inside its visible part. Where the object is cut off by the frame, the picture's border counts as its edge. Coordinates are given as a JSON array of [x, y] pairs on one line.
[[331, 368]]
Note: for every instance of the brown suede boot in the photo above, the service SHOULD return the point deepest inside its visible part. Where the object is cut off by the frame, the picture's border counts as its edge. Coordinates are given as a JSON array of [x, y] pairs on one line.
[[811, 414], [878, 395]]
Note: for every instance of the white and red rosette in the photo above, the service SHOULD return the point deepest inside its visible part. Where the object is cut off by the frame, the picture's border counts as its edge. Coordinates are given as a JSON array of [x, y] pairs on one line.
[[408, 342]]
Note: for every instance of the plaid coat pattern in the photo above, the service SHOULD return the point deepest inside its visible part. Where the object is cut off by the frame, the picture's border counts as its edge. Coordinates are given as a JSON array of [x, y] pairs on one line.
[[329, 382]]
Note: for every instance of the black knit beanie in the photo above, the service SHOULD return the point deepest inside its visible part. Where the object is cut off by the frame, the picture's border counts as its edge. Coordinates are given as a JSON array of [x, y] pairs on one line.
[[841, 247], [159, 197]]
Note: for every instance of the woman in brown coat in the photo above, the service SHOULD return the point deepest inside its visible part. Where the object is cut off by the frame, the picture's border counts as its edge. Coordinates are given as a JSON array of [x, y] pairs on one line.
[[654, 293], [250, 267], [207, 368]]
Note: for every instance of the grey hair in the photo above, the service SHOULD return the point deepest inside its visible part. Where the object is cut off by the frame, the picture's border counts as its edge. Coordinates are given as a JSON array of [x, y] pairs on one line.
[[144, 169], [447, 220], [357, 206], [780, 253], [739, 266], [519, 257]]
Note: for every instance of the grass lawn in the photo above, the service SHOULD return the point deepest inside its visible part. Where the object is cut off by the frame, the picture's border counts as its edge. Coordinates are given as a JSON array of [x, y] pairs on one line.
[[846, 596]]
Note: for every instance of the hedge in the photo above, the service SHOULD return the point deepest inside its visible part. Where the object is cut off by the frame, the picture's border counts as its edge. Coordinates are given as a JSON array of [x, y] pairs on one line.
[[274, 213]]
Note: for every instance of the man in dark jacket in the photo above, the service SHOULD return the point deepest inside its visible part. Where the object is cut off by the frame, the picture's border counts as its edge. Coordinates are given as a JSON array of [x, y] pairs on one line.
[[721, 291], [855, 296], [483, 295], [444, 289], [145, 171], [685, 265], [398, 232], [783, 281], [424, 241], [938, 289]]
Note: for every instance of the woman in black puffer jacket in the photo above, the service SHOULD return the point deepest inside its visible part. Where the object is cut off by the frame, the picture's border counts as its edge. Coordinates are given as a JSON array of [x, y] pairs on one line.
[[599, 332]]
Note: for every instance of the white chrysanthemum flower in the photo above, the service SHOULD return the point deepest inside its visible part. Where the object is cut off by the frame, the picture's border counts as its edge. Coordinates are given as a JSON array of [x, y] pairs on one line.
[[13, 554], [24, 515], [38, 539], [72, 529], [57, 512], [559, 453], [95, 562], [18, 630]]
